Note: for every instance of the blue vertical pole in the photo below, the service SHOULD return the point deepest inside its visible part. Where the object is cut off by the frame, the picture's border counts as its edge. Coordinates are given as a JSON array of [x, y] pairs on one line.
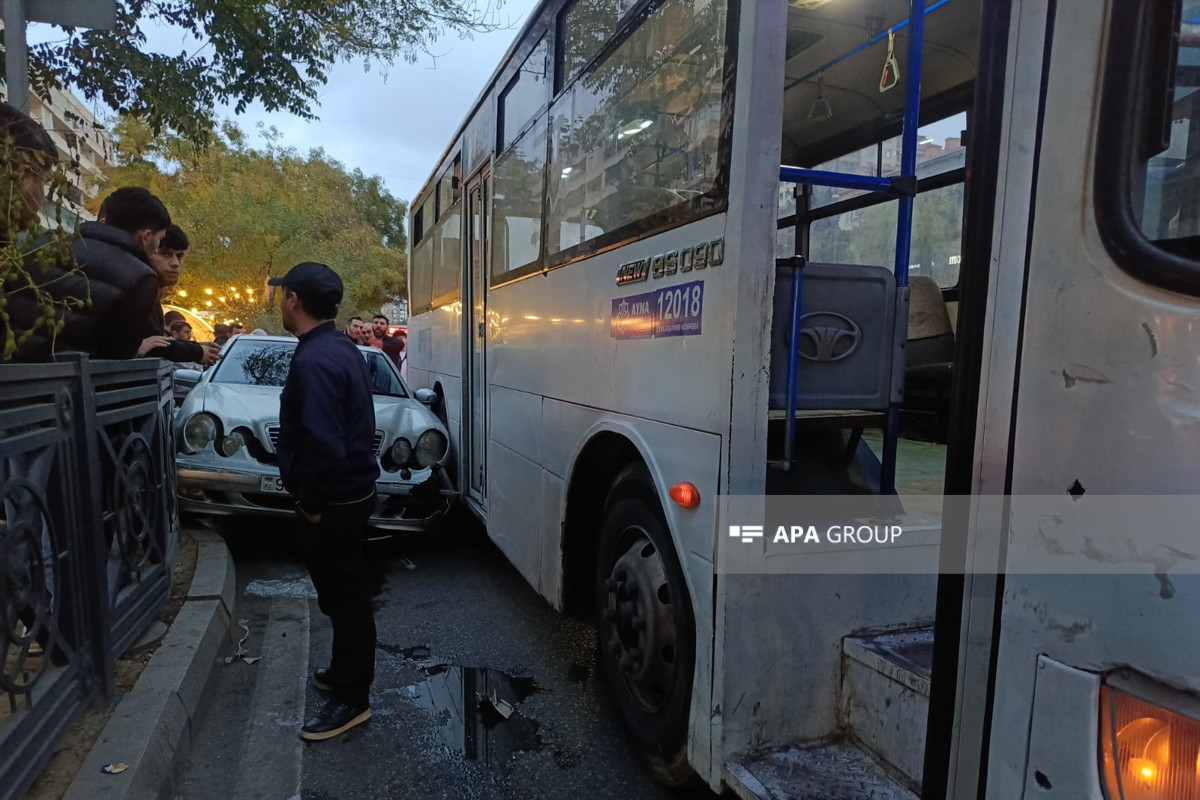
[[908, 168], [789, 445]]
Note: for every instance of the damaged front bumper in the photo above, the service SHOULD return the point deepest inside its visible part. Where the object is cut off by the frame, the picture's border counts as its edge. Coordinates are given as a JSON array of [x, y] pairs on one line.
[[207, 486]]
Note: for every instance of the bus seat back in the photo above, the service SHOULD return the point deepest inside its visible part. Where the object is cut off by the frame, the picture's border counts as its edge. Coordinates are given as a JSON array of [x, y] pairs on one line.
[[848, 338]]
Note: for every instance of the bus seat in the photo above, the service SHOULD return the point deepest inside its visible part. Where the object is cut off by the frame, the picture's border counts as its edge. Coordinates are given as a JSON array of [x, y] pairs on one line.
[[929, 362], [847, 337]]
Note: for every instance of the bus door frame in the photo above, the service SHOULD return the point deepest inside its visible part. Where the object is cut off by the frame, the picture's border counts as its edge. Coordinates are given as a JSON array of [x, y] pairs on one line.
[[476, 263]]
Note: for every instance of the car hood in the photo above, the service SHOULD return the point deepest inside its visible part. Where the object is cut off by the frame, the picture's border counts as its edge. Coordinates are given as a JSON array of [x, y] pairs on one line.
[[258, 406]]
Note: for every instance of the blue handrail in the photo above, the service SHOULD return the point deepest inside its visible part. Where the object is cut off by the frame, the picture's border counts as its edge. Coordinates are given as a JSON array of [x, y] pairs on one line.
[[908, 170], [840, 180], [876, 39]]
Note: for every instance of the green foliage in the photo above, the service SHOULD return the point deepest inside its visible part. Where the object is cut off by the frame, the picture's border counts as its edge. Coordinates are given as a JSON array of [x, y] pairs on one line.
[[243, 51], [29, 246], [254, 212]]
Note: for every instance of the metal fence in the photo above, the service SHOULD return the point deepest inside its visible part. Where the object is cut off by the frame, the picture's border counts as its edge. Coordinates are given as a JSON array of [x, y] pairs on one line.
[[88, 533]]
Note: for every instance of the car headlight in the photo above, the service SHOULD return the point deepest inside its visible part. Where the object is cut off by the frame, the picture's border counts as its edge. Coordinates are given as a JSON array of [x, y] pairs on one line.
[[200, 431], [430, 449], [232, 443], [401, 451]]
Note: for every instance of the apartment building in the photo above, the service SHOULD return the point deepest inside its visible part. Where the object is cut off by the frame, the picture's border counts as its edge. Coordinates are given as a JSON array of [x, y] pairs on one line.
[[76, 133]]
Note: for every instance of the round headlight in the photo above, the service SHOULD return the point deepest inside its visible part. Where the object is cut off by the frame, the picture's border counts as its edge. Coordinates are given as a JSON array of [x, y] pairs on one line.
[[200, 431], [401, 451], [430, 449], [232, 443]]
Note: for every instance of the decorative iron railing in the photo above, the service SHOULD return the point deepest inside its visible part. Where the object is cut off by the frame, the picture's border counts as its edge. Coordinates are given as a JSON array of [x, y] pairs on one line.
[[88, 533]]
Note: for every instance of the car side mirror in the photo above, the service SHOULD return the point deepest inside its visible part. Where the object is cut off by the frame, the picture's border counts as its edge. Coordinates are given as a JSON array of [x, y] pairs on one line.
[[426, 397]]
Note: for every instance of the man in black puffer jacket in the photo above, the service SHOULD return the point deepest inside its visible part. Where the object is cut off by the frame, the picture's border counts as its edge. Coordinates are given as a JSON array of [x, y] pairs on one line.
[[112, 268]]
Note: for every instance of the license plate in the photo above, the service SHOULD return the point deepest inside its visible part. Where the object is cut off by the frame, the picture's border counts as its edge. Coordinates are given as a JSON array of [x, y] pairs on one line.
[[274, 485]]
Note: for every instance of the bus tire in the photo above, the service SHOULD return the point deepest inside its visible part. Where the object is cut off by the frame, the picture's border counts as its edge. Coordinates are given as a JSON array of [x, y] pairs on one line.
[[646, 628]]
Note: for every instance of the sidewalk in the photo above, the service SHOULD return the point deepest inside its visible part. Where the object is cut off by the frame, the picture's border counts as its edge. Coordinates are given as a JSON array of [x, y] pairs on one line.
[[150, 727]]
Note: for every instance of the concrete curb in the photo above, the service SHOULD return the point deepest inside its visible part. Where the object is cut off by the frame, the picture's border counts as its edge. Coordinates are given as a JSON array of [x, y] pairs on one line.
[[151, 728]]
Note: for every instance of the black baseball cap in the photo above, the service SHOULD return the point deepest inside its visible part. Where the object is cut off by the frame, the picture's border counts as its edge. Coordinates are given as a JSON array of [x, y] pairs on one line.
[[312, 280]]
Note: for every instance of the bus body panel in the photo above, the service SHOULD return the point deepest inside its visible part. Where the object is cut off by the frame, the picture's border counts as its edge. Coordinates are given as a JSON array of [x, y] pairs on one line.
[[1114, 361], [783, 648], [553, 335], [754, 191], [435, 359], [535, 497]]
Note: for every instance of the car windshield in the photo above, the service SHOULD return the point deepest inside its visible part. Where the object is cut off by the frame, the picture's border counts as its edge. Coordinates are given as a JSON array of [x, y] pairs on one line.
[[384, 379], [250, 363]]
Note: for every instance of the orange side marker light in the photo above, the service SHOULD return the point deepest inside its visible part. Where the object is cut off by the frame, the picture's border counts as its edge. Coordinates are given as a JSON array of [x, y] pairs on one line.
[[686, 495]]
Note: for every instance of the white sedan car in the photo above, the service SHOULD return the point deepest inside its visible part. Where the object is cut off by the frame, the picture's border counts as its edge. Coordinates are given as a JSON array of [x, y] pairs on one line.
[[228, 425]]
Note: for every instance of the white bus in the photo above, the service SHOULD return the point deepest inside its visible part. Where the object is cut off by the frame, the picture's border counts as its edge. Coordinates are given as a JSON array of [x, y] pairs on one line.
[[999, 294]]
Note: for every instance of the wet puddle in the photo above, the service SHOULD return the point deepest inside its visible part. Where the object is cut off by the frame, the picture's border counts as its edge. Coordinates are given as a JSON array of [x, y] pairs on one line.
[[477, 709]]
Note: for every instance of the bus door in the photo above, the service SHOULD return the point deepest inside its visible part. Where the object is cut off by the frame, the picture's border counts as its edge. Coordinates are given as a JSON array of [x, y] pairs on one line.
[[475, 338], [1096, 643]]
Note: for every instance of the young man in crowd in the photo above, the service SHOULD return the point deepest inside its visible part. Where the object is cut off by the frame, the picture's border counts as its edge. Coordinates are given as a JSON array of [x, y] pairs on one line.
[[167, 262], [354, 329], [111, 267], [220, 334], [388, 344]]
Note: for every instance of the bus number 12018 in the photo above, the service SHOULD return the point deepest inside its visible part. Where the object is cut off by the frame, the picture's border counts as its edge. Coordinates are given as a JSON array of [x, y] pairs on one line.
[[680, 302]]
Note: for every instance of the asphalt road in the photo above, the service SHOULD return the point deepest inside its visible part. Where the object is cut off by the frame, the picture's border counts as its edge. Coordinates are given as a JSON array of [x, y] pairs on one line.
[[456, 623]]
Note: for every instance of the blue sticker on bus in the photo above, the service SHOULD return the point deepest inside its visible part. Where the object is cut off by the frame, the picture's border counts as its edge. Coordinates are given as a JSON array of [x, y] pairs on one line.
[[671, 311], [425, 345]]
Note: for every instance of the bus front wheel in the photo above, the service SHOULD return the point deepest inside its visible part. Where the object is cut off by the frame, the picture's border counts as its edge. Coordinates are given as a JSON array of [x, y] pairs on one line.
[[647, 648]]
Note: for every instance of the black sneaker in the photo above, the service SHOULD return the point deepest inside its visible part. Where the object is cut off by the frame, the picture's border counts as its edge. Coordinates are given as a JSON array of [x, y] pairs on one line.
[[323, 680], [334, 719]]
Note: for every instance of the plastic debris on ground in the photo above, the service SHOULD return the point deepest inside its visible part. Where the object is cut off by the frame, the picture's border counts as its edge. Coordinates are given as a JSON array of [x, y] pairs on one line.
[[240, 655], [114, 769]]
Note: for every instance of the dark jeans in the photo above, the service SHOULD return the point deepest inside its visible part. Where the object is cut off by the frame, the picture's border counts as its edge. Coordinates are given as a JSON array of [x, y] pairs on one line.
[[333, 549]]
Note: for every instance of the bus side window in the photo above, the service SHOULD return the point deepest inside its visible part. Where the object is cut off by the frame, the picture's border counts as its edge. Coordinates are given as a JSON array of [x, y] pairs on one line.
[[1147, 171]]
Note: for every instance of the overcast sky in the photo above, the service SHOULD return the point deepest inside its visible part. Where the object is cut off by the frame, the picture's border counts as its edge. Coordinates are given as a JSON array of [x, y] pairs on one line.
[[395, 127]]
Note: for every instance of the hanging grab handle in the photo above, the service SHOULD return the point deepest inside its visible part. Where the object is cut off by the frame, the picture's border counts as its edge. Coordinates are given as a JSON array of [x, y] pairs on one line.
[[891, 69], [820, 110]]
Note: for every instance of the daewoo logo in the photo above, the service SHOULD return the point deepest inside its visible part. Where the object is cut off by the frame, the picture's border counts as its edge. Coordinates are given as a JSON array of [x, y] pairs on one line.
[[828, 336]]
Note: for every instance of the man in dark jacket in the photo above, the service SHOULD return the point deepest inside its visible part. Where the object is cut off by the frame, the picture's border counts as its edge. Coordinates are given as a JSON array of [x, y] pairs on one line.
[[111, 283], [327, 461], [167, 262], [390, 345]]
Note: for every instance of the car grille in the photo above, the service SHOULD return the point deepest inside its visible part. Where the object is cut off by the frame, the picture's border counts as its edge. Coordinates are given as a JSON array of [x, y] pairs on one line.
[[273, 435]]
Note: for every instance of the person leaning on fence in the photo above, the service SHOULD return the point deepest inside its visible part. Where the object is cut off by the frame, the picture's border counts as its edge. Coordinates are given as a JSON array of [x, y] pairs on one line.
[[107, 288], [167, 262]]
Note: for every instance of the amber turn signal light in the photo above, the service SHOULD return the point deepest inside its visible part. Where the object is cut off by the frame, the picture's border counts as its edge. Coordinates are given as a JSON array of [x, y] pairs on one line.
[[686, 495]]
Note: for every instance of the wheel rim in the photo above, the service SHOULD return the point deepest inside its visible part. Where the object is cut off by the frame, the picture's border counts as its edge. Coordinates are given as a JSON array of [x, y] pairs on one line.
[[639, 621]]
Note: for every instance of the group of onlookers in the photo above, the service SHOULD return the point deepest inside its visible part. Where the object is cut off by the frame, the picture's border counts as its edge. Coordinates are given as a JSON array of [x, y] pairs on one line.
[[376, 335], [101, 293]]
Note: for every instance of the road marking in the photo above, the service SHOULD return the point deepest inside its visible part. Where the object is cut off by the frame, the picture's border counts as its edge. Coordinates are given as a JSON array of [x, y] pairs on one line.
[[272, 750]]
